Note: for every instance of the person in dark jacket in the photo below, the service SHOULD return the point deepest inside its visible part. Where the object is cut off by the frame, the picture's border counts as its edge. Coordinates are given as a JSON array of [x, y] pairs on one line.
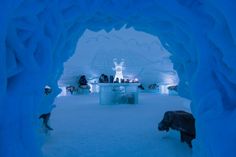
[[103, 79], [83, 81]]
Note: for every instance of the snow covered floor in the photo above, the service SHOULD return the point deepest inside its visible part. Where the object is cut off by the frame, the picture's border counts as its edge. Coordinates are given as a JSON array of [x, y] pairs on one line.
[[83, 128]]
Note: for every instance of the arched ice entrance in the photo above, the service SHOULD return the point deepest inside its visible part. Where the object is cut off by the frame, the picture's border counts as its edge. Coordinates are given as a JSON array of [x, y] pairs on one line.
[[38, 36]]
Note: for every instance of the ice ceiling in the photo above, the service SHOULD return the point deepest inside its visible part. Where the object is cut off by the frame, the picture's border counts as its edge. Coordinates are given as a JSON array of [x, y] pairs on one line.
[[144, 57], [38, 36]]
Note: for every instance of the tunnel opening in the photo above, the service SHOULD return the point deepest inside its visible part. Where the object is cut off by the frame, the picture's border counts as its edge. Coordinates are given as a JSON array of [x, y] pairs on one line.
[[80, 115], [144, 57], [35, 43]]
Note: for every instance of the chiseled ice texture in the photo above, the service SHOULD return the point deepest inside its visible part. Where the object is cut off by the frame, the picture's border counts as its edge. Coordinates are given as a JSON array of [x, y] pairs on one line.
[[144, 57], [36, 37]]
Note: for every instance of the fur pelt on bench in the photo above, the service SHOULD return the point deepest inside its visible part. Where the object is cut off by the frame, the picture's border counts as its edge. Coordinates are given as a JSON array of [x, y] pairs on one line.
[[181, 121]]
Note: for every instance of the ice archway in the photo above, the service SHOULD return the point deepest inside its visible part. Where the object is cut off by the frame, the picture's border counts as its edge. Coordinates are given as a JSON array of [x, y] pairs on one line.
[[38, 36]]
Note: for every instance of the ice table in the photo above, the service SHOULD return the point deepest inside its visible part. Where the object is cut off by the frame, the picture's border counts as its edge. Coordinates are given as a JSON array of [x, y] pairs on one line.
[[118, 93]]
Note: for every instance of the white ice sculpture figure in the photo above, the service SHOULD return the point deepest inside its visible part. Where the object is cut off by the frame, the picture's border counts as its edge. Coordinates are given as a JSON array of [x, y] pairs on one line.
[[119, 67]]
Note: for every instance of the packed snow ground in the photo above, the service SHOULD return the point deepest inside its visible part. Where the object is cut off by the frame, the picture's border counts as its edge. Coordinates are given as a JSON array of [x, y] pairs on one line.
[[83, 128]]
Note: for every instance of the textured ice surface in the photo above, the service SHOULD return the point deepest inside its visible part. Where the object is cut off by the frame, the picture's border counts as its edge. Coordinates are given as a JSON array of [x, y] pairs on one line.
[[38, 36], [144, 57]]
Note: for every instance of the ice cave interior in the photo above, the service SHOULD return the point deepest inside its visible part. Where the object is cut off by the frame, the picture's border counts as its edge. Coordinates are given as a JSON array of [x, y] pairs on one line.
[[95, 52], [37, 37]]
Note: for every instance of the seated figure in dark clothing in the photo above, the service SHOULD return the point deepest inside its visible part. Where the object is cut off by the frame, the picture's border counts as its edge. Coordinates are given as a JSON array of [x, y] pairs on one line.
[[103, 79], [116, 80], [111, 78], [83, 80], [83, 83], [141, 87], [127, 81], [173, 88], [181, 121]]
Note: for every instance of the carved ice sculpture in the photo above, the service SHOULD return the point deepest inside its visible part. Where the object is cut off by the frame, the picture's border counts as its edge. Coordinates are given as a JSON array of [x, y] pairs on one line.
[[118, 69]]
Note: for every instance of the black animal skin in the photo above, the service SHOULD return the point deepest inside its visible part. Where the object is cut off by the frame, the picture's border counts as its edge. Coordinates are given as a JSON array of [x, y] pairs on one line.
[[45, 118], [181, 121]]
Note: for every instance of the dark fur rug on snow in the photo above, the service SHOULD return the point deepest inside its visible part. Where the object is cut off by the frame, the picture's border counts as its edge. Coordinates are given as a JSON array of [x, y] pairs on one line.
[[181, 121]]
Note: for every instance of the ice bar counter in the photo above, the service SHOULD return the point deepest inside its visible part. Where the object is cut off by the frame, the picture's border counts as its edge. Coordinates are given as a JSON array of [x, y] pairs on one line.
[[118, 93]]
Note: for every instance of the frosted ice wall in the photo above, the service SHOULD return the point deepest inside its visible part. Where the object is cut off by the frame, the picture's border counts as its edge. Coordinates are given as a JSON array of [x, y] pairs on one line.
[[38, 36], [144, 57]]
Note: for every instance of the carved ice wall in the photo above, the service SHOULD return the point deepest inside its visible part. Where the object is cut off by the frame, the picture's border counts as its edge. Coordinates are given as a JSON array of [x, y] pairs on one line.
[[38, 36]]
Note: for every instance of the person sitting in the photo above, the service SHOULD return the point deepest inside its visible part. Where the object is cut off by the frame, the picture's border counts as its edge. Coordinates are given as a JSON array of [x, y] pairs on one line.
[[103, 79], [116, 80], [141, 87], [111, 78], [127, 81], [83, 83]]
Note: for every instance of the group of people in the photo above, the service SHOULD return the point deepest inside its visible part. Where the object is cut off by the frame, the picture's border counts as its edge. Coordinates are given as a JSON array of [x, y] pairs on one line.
[[104, 79], [154, 86]]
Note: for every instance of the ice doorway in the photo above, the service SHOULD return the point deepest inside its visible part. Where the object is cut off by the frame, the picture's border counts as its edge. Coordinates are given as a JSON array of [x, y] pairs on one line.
[[83, 127], [144, 59]]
